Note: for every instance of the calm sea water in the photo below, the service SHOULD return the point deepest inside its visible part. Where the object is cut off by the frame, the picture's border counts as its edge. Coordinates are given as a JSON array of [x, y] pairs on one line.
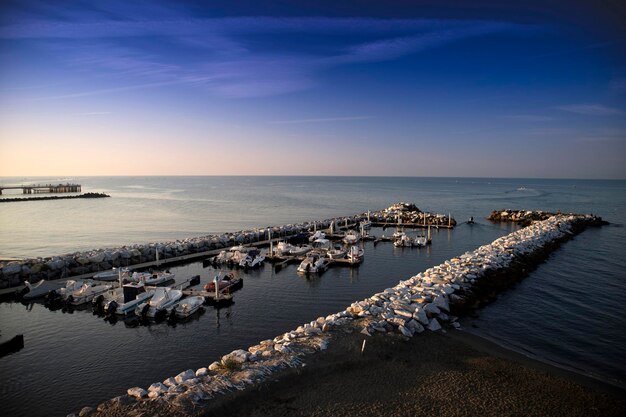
[[568, 311]]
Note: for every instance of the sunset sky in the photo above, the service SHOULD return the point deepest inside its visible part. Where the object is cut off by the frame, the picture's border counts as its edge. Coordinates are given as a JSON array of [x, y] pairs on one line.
[[528, 89]]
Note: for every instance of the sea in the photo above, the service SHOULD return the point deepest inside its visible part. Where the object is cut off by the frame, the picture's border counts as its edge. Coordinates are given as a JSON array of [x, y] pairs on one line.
[[569, 311]]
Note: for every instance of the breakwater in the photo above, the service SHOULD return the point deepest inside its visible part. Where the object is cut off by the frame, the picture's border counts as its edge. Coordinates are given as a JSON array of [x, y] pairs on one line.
[[56, 197], [14, 273], [425, 301]]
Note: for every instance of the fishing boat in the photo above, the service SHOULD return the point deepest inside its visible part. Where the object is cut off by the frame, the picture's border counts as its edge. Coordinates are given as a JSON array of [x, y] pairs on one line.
[[162, 300], [253, 259], [188, 306], [124, 300], [232, 255], [86, 293], [313, 263], [227, 284]]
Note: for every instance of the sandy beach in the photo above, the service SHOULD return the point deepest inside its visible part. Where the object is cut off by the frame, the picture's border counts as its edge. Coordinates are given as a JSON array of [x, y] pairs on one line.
[[451, 374]]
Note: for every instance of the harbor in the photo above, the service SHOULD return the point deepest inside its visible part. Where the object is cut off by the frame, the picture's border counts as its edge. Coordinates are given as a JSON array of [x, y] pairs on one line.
[[289, 299], [428, 301]]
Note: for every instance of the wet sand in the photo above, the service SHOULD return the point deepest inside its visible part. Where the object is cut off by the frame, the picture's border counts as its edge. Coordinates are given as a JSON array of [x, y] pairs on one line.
[[453, 374]]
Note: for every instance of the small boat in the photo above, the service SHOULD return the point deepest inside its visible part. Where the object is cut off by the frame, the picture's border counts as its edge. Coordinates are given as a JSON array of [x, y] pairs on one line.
[[351, 238], [124, 300], [152, 278], [188, 306], [232, 255], [313, 263], [356, 254], [317, 235], [300, 250], [321, 245], [227, 284], [39, 289], [253, 259], [61, 294], [111, 274], [337, 253], [402, 240], [282, 249], [471, 220], [162, 300], [420, 241], [86, 293]]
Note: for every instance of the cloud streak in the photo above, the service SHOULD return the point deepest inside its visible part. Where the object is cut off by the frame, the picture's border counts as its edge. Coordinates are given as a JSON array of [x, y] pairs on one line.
[[321, 120], [224, 54], [590, 109]]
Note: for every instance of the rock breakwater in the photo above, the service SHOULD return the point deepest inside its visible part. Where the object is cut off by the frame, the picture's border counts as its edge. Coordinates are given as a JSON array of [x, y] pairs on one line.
[[55, 197], [426, 301], [409, 213], [14, 273]]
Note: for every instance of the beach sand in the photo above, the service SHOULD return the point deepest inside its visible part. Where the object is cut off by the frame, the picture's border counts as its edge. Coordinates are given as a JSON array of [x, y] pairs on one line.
[[453, 374], [435, 374]]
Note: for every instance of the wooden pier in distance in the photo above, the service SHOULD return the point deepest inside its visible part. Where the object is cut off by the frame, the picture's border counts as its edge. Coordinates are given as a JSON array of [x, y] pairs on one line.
[[44, 188], [412, 225]]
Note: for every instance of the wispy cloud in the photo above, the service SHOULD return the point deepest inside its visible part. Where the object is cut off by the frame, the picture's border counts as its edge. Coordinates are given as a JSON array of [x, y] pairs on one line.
[[590, 109], [225, 54], [321, 120], [527, 118]]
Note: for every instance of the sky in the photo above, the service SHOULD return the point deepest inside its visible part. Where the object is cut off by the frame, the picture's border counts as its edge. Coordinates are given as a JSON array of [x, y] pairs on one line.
[[398, 88]]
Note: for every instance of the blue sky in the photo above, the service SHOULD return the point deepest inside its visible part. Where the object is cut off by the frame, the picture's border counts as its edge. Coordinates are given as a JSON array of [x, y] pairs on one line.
[[400, 88]]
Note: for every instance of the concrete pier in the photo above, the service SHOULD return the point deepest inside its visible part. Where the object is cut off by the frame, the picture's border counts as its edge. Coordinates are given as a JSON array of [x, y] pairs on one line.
[[44, 188]]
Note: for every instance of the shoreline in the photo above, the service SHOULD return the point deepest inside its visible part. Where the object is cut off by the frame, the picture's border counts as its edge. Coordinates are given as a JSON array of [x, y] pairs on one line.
[[453, 373]]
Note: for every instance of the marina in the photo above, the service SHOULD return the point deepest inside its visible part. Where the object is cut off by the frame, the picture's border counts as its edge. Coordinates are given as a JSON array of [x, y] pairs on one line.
[[289, 299]]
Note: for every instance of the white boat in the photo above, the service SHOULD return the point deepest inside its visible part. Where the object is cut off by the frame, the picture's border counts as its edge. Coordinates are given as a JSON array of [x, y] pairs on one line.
[[124, 300], [313, 263], [322, 245], [67, 290], [402, 240], [317, 235], [337, 253], [232, 255], [300, 250], [152, 278], [355, 254], [188, 306], [39, 289], [87, 292], [253, 259], [366, 225], [162, 300], [420, 241], [111, 274], [351, 238], [282, 249]]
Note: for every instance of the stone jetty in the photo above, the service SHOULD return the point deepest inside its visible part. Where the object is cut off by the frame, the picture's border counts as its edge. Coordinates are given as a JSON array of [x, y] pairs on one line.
[[14, 273], [409, 213], [426, 301]]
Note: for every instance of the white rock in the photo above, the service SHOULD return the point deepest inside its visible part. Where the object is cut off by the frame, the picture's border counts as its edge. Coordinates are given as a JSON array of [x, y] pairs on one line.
[[214, 366], [185, 375], [137, 392], [202, 372], [169, 382]]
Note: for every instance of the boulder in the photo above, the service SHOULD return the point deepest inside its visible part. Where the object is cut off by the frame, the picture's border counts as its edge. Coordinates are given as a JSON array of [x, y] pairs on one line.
[[137, 392], [185, 375]]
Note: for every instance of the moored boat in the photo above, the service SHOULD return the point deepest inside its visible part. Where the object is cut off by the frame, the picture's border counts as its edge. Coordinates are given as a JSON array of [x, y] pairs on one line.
[[188, 306], [313, 263], [226, 284], [124, 300], [111, 274], [163, 299], [351, 238], [86, 293], [253, 259]]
